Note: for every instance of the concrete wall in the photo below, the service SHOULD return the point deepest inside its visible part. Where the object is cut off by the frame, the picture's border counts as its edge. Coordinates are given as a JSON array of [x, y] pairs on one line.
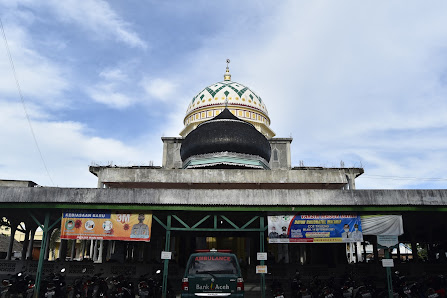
[[281, 178], [171, 153], [281, 158], [17, 183]]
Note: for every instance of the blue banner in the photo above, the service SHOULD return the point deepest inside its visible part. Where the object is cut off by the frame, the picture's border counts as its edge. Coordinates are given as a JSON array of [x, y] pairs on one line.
[[315, 228]]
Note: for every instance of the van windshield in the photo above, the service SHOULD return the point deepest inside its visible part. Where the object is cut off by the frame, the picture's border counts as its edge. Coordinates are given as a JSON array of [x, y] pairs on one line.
[[213, 264]]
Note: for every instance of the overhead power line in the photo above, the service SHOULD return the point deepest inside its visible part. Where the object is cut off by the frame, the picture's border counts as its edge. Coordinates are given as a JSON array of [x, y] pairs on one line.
[[23, 102]]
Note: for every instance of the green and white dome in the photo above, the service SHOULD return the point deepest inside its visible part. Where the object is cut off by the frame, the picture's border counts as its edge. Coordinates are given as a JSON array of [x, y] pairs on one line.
[[243, 102]]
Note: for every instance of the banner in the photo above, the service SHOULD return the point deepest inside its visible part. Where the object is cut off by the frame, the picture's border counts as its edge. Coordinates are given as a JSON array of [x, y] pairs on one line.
[[315, 228], [106, 225]]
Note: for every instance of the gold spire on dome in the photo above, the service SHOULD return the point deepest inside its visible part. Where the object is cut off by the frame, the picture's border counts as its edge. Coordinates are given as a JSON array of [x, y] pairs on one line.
[[227, 75], [230, 95]]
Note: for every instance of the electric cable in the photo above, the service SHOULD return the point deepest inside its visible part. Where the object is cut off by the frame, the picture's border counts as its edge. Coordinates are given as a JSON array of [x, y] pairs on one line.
[[23, 102]]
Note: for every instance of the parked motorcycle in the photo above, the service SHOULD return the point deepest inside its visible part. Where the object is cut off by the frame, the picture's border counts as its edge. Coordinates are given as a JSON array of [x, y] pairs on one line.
[[17, 285], [56, 286], [158, 285], [146, 286], [365, 290], [299, 290], [347, 290], [277, 289], [101, 286], [433, 286], [400, 285], [121, 287], [80, 287]]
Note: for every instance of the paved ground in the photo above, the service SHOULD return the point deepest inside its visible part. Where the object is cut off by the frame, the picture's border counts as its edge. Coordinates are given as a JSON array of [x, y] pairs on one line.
[[252, 290]]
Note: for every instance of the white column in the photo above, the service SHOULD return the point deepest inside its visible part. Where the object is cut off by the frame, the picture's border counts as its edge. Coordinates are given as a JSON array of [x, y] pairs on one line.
[[73, 250], [29, 252], [101, 248], [47, 244], [11, 241], [109, 249], [25, 244], [91, 249], [359, 251], [95, 250], [81, 255]]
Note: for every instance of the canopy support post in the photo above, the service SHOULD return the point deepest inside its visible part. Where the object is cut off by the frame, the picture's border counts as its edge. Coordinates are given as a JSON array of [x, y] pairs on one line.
[[166, 262], [262, 249]]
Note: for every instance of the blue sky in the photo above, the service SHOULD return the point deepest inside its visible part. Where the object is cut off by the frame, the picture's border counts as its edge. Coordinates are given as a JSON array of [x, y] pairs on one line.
[[360, 82]]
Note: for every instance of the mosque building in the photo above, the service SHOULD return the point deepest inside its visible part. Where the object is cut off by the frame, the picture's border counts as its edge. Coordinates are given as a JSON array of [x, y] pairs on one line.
[[227, 183]]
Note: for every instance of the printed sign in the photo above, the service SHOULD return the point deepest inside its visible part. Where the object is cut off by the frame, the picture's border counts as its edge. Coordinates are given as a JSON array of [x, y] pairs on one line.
[[261, 269], [261, 256], [387, 241], [166, 255], [315, 228], [387, 263], [105, 225]]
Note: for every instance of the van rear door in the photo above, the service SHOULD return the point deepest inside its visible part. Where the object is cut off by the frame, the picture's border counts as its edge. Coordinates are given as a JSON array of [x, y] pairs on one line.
[[213, 273]]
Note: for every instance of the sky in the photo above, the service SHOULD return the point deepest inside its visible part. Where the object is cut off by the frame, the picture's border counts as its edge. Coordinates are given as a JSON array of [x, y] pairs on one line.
[[362, 84]]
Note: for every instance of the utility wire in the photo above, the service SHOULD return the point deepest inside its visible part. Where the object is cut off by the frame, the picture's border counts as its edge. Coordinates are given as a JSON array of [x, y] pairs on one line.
[[23, 102]]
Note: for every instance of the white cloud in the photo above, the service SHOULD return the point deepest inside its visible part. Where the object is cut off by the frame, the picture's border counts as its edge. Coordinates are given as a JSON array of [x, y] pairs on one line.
[[111, 88], [117, 89], [115, 74], [96, 16], [41, 80], [67, 148], [92, 15], [107, 94], [158, 88]]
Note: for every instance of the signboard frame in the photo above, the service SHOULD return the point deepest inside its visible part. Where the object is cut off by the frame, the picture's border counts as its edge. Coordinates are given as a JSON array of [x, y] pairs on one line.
[[387, 241], [261, 269], [315, 228], [261, 256], [166, 255], [88, 224], [387, 263]]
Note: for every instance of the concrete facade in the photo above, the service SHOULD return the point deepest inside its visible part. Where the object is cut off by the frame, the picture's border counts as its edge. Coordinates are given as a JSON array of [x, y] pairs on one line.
[[17, 183], [155, 177]]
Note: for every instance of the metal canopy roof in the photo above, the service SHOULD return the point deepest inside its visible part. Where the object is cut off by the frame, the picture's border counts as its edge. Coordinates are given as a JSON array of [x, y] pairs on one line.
[[221, 199]]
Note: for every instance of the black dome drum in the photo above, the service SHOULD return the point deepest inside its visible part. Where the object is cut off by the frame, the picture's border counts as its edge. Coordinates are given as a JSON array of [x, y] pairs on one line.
[[225, 133]]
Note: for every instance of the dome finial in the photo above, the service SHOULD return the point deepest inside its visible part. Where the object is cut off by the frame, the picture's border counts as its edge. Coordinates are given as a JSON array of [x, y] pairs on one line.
[[227, 75]]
